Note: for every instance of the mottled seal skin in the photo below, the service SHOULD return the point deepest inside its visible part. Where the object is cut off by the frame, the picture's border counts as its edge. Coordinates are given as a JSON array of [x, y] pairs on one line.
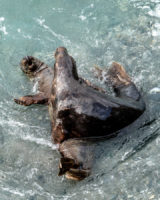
[[80, 111], [41, 73]]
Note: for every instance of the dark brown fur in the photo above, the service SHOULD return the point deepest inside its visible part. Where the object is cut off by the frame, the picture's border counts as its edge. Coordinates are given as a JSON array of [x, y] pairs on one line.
[[77, 111]]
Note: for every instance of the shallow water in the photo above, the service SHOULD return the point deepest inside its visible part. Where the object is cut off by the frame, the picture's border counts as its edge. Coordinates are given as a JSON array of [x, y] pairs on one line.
[[95, 32]]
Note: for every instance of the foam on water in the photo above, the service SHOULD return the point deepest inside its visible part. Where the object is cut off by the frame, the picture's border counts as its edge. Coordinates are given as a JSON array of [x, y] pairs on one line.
[[40, 141], [60, 37], [2, 26], [13, 191], [155, 90]]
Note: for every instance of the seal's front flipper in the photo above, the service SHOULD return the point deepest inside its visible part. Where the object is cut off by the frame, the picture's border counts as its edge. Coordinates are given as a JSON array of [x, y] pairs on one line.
[[32, 99], [121, 82]]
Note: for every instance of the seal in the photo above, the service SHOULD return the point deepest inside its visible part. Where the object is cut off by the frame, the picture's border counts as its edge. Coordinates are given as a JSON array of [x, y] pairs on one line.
[[80, 111]]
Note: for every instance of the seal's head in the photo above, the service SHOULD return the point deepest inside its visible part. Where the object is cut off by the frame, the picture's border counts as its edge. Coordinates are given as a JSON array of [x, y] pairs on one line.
[[30, 65]]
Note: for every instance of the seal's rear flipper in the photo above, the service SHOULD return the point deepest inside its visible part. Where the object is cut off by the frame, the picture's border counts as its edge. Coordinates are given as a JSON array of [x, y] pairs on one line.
[[77, 158], [71, 170], [121, 82], [32, 99], [77, 174], [65, 164]]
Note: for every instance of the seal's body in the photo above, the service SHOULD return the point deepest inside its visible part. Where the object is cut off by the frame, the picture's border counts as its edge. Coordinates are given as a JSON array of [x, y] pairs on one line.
[[79, 110]]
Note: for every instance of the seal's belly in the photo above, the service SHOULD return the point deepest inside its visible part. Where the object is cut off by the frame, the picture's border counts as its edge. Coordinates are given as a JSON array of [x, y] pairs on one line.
[[101, 121]]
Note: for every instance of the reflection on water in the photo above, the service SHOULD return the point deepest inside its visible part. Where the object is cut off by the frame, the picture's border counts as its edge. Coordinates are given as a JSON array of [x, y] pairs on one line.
[[94, 32]]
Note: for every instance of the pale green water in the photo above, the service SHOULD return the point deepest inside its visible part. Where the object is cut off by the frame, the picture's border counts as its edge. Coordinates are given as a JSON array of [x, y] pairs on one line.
[[94, 32]]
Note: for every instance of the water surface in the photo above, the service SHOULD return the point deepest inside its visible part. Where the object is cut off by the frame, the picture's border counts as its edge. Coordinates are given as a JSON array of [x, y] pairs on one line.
[[94, 32]]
